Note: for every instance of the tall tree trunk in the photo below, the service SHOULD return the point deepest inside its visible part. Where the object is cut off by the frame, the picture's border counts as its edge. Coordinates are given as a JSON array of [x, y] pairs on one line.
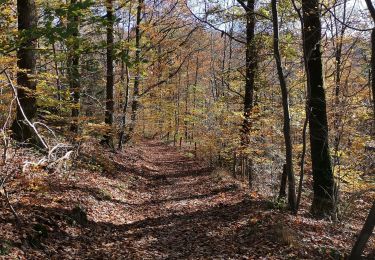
[[251, 64], [27, 20], [371, 9], [178, 109], [195, 94], [73, 67], [109, 104], [58, 83], [323, 201], [187, 101], [373, 71], [284, 177], [223, 65], [214, 86], [135, 101], [285, 101], [125, 69], [338, 39], [365, 234]]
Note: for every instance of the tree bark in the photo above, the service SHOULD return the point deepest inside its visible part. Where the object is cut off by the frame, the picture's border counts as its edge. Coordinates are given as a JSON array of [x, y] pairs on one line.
[[338, 40], [73, 67], [323, 201], [373, 71], [284, 177], [135, 101], [27, 21], [187, 101], [285, 101], [371, 9], [109, 104], [251, 64], [125, 69], [365, 234]]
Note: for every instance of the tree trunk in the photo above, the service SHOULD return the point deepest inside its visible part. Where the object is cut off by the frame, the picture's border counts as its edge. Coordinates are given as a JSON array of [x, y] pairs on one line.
[[323, 201], [371, 9], [135, 101], [251, 64], [186, 102], [178, 112], [73, 67], [365, 234], [109, 104], [284, 177], [373, 72], [27, 21], [285, 100], [125, 69]]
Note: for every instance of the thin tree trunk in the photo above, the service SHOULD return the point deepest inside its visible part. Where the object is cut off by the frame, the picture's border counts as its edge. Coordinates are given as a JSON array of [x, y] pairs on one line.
[[135, 101], [284, 177], [338, 45], [285, 101], [323, 201], [371, 9], [364, 236], [125, 69], [223, 65], [58, 83], [109, 104], [27, 21], [186, 101], [178, 112], [214, 86], [302, 162], [373, 71], [251, 64], [73, 67], [195, 94]]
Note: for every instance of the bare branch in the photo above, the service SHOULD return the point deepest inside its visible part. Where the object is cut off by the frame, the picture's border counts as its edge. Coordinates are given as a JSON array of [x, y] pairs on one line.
[[23, 113]]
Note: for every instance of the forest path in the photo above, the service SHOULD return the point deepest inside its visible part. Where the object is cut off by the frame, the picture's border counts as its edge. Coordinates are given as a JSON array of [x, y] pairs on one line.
[[153, 201], [188, 211]]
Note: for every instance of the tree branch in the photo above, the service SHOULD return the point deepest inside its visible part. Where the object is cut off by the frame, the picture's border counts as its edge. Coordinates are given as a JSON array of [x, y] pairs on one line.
[[171, 75], [371, 8]]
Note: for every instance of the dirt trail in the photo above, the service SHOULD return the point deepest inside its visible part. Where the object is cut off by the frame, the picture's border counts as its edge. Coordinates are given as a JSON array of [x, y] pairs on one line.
[[190, 211], [159, 203], [187, 212]]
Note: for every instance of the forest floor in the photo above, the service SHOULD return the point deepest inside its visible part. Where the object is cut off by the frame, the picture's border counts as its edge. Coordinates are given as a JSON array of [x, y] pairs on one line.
[[155, 202]]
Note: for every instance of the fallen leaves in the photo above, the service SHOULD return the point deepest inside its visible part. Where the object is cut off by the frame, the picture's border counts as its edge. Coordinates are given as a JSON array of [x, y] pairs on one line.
[[161, 204]]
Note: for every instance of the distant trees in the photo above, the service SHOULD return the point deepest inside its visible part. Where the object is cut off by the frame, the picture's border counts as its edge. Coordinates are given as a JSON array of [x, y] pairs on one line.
[[27, 22], [323, 201]]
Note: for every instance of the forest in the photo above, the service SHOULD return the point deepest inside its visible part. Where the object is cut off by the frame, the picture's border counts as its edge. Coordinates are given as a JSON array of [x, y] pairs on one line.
[[187, 129]]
